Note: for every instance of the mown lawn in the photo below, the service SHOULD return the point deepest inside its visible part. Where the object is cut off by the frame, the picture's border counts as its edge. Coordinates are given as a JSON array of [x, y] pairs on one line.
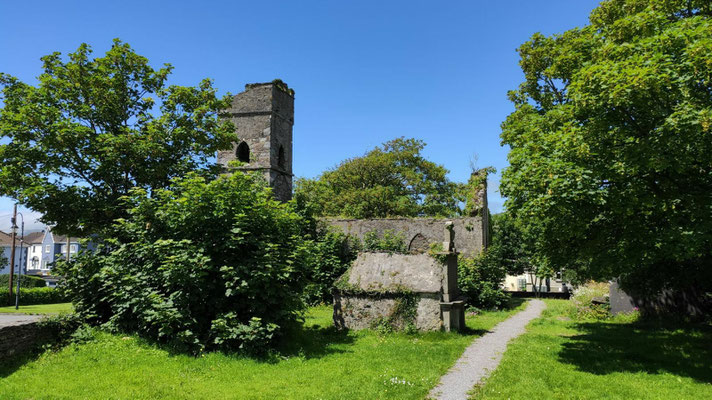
[[318, 362], [559, 358], [58, 308]]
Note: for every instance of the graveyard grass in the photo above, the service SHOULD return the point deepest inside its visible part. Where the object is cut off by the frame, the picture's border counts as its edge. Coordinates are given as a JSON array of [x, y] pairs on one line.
[[317, 361], [59, 308], [560, 358]]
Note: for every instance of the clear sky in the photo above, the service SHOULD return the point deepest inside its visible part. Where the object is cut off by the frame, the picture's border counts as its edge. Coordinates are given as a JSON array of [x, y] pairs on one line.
[[364, 71]]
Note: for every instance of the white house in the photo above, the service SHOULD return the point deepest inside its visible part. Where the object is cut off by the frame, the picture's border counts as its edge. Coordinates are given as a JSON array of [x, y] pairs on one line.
[[34, 249]]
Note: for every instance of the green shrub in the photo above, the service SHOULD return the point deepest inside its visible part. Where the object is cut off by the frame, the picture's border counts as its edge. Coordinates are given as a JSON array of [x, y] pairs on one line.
[[30, 296], [26, 281], [480, 279], [389, 241], [61, 329], [327, 258], [204, 265], [582, 301]]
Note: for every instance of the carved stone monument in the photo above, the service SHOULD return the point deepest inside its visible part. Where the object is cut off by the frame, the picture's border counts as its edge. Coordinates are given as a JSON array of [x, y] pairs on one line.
[[401, 290]]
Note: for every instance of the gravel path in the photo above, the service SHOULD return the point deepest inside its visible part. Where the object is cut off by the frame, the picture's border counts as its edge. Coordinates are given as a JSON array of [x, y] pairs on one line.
[[483, 355]]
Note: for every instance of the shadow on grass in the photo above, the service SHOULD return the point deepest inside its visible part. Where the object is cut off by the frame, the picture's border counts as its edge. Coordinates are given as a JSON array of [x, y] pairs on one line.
[[646, 347], [467, 331], [308, 342], [11, 364], [313, 342], [514, 302]]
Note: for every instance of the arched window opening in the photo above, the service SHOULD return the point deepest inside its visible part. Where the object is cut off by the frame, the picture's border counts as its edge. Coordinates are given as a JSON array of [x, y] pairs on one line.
[[243, 152], [281, 163], [419, 244]]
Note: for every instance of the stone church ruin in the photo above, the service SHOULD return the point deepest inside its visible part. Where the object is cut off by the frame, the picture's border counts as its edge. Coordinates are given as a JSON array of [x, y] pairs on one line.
[[263, 116], [412, 290]]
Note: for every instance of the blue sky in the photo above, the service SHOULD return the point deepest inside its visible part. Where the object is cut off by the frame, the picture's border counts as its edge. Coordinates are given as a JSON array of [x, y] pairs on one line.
[[364, 72]]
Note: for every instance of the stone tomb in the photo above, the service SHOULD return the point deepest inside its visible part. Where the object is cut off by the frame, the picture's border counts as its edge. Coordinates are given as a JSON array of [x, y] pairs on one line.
[[401, 290]]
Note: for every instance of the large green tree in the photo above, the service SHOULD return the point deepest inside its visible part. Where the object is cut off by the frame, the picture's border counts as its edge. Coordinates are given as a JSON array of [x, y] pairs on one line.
[[611, 145], [92, 129], [391, 180]]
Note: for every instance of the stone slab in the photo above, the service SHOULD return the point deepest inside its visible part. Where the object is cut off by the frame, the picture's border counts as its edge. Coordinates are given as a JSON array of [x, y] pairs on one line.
[[419, 273]]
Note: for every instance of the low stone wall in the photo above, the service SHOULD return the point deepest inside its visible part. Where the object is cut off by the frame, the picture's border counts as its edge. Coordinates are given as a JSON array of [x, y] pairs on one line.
[[19, 336], [470, 232]]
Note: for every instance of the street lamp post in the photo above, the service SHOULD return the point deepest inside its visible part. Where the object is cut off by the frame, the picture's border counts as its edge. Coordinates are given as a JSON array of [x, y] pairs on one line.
[[19, 266], [12, 249]]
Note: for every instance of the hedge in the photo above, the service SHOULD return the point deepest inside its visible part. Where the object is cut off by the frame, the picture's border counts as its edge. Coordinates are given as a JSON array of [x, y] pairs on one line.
[[27, 281], [32, 296]]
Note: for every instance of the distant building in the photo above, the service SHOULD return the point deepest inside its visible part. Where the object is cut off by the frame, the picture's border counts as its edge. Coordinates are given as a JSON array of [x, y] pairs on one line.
[[34, 249], [6, 247], [44, 251], [523, 283]]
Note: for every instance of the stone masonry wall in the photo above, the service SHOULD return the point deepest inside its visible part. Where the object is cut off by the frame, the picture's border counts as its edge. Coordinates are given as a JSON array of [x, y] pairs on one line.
[[419, 232], [19, 337], [361, 311]]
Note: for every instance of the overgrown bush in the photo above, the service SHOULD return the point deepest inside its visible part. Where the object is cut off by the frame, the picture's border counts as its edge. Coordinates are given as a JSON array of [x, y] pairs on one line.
[[388, 241], [38, 295], [480, 279], [200, 266], [60, 329], [582, 301], [327, 258], [26, 281]]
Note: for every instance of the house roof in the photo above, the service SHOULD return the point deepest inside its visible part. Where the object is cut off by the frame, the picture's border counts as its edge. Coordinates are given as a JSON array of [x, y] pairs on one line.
[[34, 237], [63, 239], [6, 240]]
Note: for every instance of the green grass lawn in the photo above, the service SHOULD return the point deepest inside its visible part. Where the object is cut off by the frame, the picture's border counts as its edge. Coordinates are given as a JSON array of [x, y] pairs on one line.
[[559, 358], [318, 362], [58, 308]]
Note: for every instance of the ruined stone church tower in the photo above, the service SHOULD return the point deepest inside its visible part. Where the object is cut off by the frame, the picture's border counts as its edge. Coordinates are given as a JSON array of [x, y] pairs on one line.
[[263, 116]]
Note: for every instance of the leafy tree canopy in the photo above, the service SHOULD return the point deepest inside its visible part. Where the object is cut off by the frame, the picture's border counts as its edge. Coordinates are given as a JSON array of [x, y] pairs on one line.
[[611, 148], [391, 180], [92, 129]]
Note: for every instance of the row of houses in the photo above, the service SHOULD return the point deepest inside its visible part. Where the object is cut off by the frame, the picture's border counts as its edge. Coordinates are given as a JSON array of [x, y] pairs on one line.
[[37, 253]]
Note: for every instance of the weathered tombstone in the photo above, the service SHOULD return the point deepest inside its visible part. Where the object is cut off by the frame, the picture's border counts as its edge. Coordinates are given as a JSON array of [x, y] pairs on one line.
[[401, 291], [621, 302]]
